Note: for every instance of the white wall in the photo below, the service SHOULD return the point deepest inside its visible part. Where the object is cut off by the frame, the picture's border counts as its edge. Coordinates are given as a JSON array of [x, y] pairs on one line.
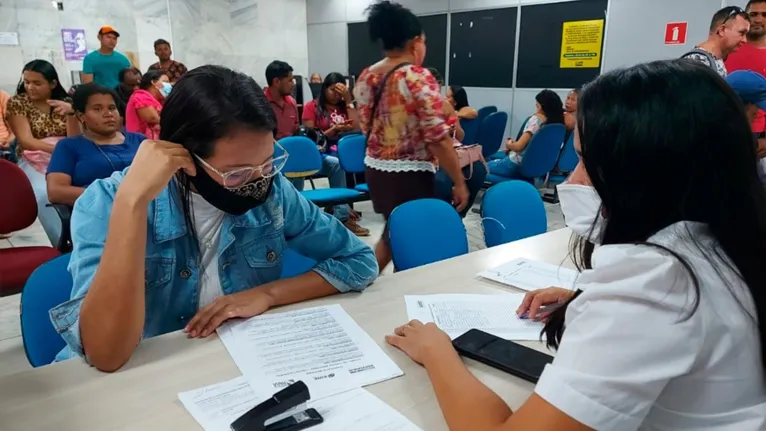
[[241, 34]]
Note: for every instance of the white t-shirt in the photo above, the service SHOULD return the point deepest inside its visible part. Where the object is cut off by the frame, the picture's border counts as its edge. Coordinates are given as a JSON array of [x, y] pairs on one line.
[[207, 222], [633, 358], [534, 123]]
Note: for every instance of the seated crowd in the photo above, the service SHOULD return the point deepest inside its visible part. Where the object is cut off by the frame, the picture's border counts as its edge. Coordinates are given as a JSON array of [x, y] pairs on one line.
[[182, 217]]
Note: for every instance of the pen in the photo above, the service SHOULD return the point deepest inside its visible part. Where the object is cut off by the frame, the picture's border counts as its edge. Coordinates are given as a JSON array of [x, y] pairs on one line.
[[542, 311]]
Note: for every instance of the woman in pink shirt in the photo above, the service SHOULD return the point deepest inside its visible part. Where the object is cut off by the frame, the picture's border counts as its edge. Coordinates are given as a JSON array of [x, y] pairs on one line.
[[142, 115]]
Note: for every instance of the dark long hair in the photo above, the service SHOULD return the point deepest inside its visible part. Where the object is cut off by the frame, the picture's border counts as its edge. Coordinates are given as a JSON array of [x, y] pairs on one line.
[[460, 96], [47, 70], [671, 117], [209, 103], [150, 77], [330, 80], [392, 24], [552, 106]]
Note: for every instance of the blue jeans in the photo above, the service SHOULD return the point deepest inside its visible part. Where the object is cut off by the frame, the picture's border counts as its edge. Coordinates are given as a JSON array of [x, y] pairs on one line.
[[337, 178], [48, 216], [505, 167]]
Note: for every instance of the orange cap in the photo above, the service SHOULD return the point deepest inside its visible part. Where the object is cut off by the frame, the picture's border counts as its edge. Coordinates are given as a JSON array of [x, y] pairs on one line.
[[108, 29]]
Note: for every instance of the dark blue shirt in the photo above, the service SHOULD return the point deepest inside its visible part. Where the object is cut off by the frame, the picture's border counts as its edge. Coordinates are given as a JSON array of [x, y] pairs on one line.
[[85, 162]]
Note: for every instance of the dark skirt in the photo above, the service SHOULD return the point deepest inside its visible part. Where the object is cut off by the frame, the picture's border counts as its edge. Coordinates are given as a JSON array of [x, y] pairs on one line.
[[388, 190]]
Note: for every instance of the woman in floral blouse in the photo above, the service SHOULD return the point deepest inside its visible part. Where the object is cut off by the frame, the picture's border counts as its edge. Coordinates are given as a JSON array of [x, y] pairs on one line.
[[402, 113]]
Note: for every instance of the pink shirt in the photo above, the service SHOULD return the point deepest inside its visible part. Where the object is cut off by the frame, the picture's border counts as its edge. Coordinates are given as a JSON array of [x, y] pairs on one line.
[[325, 120], [133, 122], [750, 57]]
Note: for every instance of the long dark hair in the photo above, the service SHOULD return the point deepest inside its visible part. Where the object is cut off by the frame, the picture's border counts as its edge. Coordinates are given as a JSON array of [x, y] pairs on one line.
[[460, 96], [330, 80], [47, 70], [150, 77], [552, 106], [207, 104], [671, 117], [392, 24]]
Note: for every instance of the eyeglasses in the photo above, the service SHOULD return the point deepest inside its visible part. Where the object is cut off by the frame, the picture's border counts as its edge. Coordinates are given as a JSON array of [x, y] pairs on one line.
[[735, 10], [239, 177]]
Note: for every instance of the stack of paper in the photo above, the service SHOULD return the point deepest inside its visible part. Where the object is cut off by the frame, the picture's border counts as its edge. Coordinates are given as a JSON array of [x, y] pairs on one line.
[[455, 314], [215, 407], [322, 346], [531, 275]]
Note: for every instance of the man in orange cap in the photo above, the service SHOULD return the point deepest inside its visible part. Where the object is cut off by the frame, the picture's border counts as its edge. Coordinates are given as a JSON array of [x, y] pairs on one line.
[[104, 65]]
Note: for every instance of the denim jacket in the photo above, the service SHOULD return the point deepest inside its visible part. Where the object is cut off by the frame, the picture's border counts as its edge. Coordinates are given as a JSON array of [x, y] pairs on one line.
[[250, 253]]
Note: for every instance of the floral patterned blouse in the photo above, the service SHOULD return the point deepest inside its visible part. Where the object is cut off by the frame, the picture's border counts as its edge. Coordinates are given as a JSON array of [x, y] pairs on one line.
[[409, 117]]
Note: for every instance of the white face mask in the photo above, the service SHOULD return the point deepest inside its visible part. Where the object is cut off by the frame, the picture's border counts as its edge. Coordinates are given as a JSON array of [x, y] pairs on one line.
[[581, 206]]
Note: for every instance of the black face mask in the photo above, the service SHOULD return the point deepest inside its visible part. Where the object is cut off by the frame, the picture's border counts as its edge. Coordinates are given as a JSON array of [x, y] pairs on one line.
[[235, 202]]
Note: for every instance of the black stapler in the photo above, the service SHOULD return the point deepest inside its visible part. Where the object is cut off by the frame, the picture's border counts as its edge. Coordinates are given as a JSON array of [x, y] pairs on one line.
[[292, 396]]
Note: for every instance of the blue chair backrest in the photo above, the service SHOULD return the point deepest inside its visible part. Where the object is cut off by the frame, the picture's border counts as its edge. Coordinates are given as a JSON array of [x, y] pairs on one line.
[[542, 152], [491, 133], [294, 263], [568, 158], [485, 111], [521, 129], [304, 158], [48, 286], [470, 130], [512, 210], [351, 152], [424, 231]]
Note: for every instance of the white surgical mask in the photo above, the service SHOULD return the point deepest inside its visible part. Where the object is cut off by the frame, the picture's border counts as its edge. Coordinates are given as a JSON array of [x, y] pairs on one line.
[[581, 206]]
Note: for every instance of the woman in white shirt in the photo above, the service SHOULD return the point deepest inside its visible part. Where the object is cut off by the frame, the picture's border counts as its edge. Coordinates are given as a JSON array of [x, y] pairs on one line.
[[666, 328], [549, 110]]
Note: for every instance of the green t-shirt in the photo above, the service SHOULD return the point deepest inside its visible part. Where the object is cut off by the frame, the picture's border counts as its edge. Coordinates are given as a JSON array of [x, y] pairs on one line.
[[105, 68]]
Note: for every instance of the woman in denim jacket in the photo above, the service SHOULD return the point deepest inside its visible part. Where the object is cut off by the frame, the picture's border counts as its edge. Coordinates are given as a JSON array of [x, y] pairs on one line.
[[199, 225]]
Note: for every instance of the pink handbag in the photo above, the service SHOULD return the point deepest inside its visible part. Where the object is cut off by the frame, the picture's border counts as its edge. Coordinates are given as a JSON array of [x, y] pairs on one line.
[[468, 154]]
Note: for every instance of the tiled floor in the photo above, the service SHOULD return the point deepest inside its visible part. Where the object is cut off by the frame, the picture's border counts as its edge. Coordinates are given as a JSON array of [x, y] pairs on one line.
[[12, 358]]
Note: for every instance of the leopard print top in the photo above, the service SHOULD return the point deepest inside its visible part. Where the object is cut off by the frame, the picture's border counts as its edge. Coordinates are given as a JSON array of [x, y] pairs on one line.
[[43, 125]]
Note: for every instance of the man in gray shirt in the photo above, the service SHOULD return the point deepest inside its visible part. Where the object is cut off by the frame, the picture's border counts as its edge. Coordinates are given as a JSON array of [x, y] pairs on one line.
[[728, 30]]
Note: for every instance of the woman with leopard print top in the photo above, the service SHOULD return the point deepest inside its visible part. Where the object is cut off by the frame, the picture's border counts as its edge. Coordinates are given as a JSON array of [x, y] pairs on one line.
[[39, 115]]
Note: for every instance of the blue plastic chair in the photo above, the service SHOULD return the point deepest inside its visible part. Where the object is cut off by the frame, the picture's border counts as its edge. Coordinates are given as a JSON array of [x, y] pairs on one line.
[[424, 231], [511, 211], [470, 130], [542, 152], [491, 133], [568, 160], [351, 152], [485, 112], [305, 160], [50, 285], [294, 263], [500, 154]]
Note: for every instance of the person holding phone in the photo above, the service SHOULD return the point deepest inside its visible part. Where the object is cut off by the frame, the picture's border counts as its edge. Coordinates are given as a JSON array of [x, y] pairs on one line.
[[334, 114], [667, 326]]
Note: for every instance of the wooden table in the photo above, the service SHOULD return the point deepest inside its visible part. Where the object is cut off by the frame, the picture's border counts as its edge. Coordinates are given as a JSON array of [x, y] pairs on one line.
[[143, 394]]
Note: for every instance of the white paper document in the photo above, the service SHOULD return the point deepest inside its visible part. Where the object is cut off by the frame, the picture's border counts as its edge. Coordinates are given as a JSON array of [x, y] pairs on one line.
[[215, 407], [455, 314], [531, 275], [322, 346]]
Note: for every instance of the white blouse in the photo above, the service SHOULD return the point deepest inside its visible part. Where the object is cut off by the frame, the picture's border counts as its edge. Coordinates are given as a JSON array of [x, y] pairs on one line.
[[633, 357]]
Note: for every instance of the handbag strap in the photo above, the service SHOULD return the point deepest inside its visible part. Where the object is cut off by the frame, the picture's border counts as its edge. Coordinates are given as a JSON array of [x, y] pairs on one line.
[[379, 94]]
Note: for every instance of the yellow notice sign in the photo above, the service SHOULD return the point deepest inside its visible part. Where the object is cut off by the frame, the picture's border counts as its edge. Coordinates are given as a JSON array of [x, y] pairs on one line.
[[581, 44]]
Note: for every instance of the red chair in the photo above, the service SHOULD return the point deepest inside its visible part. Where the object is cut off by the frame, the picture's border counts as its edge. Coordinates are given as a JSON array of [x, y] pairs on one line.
[[18, 211]]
